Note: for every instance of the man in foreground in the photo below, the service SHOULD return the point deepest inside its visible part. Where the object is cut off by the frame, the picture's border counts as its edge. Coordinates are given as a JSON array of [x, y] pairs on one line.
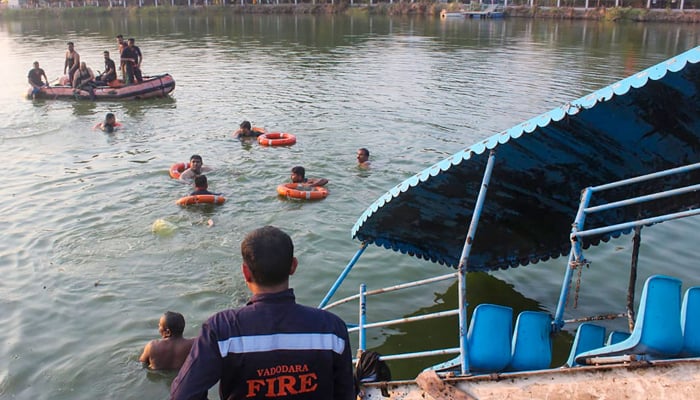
[[272, 347], [171, 351]]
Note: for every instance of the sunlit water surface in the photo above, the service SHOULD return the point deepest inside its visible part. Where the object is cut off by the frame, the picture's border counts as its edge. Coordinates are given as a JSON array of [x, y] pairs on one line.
[[84, 277]]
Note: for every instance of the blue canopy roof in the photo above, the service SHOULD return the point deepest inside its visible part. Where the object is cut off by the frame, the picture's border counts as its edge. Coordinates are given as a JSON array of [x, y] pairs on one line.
[[639, 125]]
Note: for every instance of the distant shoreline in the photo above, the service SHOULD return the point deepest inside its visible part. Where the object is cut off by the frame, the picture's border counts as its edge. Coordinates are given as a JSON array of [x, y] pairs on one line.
[[403, 8]]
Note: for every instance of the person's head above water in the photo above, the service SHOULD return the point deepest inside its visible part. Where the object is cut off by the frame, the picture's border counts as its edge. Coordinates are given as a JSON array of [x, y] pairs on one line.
[[110, 119], [171, 324], [245, 125], [298, 174], [196, 162], [362, 155], [200, 182]]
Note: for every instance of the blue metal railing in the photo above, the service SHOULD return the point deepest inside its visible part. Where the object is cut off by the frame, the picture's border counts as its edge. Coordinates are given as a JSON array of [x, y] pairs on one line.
[[461, 274], [362, 326], [578, 231]]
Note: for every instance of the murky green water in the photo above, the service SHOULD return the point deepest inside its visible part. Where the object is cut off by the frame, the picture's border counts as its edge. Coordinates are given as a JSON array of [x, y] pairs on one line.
[[85, 279]]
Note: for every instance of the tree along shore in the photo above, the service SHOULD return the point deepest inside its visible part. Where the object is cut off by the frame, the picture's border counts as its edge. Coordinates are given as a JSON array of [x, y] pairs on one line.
[[397, 8]]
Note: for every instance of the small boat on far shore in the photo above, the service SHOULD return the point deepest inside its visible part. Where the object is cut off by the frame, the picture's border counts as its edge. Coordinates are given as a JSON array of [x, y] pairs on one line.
[[478, 11], [150, 87]]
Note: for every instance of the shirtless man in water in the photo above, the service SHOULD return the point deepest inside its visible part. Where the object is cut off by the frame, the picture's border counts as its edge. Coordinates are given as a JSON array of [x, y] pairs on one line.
[[196, 168], [245, 131], [363, 158], [299, 176], [171, 351]]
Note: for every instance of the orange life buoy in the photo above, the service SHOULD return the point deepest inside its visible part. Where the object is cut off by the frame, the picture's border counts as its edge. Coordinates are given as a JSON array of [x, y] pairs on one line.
[[301, 191], [201, 199], [277, 139], [260, 131], [178, 168]]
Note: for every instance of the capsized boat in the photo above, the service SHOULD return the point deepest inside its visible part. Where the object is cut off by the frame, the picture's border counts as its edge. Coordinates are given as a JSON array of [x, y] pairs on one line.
[[620, 159], [152, 86]]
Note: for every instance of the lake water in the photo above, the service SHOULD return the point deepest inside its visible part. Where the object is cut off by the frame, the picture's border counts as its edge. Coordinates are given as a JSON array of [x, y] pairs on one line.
[[84, 277]]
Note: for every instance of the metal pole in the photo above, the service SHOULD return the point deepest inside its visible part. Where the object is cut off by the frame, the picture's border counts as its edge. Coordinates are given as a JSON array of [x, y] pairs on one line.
[[342, 276], [575, 251], [636, 241], [363, 318], [463, 261]]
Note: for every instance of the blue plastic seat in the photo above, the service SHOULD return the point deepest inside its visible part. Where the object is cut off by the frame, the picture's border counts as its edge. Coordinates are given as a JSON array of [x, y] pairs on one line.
[[690, 322], [616, 337], [489, 337], [532, 343], [588, 337], [657, 331]]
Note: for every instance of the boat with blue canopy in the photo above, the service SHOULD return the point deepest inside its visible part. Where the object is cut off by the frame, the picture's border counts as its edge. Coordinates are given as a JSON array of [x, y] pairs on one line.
[[611, 163]]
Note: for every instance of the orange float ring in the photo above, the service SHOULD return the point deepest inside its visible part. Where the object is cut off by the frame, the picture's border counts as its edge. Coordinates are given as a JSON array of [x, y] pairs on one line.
[[277, 139], [257, 129], [177, 169], [300, 191], [201, 199]]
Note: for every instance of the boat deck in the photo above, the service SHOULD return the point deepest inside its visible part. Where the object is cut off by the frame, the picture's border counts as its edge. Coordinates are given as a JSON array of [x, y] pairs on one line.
[[636, 380]]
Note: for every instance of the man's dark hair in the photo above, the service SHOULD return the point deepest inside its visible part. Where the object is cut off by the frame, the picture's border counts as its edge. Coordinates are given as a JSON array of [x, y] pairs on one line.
[[268, 252], [245, 124], [175, 322], [364, 150], [109, 116], [70, 44], [201, 182], [105, 52], [299, 171], [120, 36], [196, 157], [131, 40]]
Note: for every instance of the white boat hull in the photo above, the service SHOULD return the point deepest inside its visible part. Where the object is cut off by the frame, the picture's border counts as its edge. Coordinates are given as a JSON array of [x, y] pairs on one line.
[[668, 379]]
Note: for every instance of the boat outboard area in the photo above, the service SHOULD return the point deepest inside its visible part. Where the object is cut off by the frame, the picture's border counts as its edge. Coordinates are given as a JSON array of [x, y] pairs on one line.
[[611, 164]]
